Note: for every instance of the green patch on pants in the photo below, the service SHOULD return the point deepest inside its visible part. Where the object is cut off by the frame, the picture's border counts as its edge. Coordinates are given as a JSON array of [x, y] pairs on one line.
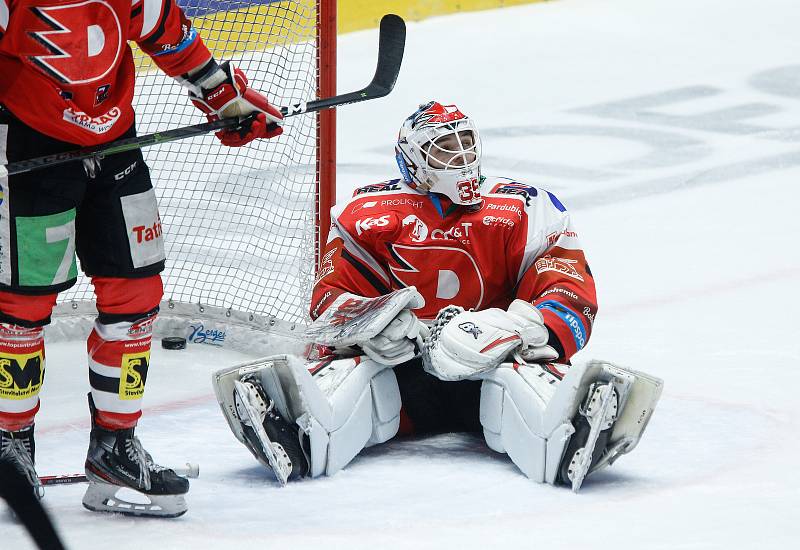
[[46, 249]]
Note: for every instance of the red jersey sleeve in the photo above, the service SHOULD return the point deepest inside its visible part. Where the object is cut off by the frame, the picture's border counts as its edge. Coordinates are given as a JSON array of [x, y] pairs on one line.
[[348, 265], [556, 278], [164, 32]]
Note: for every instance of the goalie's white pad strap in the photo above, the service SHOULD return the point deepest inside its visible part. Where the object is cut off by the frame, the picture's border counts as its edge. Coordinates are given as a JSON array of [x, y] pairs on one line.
[[352, 319]]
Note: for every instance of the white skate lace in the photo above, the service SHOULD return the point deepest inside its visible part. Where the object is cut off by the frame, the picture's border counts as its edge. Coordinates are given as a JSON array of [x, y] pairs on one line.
[[19, 453], [140, 457]]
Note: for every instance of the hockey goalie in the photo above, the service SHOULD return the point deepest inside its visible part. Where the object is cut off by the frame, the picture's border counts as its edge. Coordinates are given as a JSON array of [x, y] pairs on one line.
[[446, 302]]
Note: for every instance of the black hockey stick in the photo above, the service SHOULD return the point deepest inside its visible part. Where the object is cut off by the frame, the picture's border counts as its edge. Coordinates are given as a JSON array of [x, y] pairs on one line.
[[190, 470], [391, 45], [18, 493]]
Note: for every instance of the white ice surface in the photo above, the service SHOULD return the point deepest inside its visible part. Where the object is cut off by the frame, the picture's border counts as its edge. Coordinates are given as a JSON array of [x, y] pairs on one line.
[[688, 214]]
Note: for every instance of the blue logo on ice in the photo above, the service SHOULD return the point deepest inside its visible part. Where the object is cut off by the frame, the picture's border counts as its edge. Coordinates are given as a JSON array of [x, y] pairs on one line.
[[201, 335]]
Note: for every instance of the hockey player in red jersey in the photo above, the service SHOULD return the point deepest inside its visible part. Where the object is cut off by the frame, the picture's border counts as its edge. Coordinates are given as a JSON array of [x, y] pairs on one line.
[[67, 80], [448, 301]]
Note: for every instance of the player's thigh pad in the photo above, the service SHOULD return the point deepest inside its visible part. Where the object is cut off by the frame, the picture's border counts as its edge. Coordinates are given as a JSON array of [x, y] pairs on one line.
[[527, 413], [37, 213], [119, 228]]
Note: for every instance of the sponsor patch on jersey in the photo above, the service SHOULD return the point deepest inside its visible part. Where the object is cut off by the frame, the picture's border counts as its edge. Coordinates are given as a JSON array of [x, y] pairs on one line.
[[565, 266], [525, 191], [326, 265], [363, 206], [391, 185], [570, 318], [402, 201], [320, 303], [97, 125], [505, 208], [498, 221], [366, 224], [419, 230], [553, 237], [101, 94], [21, 374]]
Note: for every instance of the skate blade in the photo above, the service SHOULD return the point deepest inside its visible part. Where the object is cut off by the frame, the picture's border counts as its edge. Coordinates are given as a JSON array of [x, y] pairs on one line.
[[103, 497], [601, 409], [278, 460]]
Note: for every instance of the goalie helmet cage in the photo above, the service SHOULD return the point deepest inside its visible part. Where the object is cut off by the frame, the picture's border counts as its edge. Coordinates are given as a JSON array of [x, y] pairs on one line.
[[243, 227]]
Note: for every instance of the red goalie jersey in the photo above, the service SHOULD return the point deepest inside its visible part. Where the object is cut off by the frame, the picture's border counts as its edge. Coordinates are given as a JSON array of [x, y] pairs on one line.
[[520, 243], [67, 70]]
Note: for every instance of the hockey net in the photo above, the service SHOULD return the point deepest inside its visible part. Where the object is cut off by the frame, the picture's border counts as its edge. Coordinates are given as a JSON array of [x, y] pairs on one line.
[[241, 224]]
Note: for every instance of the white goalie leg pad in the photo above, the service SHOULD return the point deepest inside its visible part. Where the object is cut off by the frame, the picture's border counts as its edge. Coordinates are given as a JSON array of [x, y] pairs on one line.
[[527, 412], [352, 404], [349, 404]]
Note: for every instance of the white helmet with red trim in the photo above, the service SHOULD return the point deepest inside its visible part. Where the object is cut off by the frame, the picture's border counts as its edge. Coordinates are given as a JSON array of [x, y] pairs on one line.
[[439, 151]]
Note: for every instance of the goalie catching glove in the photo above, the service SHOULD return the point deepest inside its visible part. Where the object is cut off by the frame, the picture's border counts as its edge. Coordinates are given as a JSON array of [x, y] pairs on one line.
[[385, 328], [221, 91], [463, 343]]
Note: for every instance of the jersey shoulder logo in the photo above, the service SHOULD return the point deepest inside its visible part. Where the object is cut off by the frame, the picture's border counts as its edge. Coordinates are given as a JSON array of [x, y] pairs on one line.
[[565, 266], [515, 188], [81, 42]]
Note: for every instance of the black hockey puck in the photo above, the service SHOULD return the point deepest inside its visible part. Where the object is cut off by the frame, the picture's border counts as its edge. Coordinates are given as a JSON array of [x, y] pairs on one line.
[[173, 342]]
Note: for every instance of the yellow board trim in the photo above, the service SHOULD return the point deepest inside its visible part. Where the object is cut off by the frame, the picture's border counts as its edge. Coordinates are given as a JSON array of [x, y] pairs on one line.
[[282, 23], [355, 15]]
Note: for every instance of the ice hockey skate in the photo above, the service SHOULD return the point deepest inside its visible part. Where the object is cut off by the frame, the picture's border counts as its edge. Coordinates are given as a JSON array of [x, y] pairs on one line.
[[609, 423], [116, 460], [19, 449], [272, 439]]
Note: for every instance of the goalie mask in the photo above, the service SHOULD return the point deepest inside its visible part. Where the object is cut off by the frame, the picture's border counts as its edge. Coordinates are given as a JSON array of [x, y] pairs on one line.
[[439, 151]]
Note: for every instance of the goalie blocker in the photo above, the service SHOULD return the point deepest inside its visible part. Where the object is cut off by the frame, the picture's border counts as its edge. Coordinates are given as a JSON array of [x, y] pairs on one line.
[[558, 423]]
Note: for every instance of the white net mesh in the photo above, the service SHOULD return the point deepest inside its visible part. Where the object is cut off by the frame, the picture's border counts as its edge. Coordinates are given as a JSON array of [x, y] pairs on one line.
[[239, 223]]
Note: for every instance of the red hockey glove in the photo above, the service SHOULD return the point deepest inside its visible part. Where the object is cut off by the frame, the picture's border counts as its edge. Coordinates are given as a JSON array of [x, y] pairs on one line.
[[222, 92]]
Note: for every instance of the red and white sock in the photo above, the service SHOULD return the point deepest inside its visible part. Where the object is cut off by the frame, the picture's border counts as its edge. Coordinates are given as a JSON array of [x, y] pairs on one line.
[[119, 347], [119, 356], [21, 375]]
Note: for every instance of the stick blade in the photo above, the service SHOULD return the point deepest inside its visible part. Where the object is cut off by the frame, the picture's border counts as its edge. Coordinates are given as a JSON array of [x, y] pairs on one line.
[[391, 46]]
